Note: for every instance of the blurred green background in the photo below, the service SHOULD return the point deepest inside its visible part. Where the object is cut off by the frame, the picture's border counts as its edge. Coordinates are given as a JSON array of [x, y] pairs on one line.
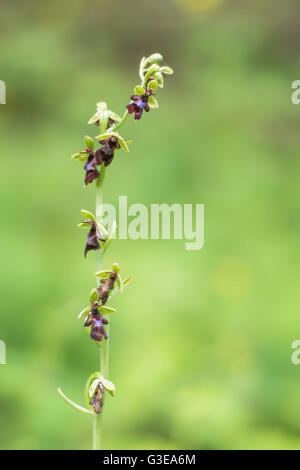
[[201, 342]]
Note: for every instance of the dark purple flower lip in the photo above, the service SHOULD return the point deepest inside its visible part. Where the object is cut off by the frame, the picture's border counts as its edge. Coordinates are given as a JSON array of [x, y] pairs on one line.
[[106, 286], [103, 155], [97, 321], [93, 238], [140, 104], [91, 172]]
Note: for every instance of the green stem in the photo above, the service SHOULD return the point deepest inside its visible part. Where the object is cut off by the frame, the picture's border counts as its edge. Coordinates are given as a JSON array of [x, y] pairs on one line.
[[96, 432], [120, 123], [103, 349]]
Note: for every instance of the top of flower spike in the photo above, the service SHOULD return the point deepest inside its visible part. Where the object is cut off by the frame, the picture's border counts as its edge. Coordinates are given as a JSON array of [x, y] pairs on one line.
[[151, 74]]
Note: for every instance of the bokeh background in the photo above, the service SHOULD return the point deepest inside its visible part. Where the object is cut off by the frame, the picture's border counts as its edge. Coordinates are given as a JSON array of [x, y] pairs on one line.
[[201, 342]]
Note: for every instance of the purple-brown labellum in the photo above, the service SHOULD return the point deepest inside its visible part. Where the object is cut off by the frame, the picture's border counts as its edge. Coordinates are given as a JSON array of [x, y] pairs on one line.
[[97, 321], [91, 172], [140, 104], [103, 155], [106, 153], [107, 285], [93, 238]]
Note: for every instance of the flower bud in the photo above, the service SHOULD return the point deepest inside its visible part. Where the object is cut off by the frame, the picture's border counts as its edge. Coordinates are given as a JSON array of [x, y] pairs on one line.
[[116, 268], [155, 58]]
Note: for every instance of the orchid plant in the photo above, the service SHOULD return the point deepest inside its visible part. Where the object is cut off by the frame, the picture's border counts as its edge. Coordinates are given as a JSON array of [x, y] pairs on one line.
[[110, 282]]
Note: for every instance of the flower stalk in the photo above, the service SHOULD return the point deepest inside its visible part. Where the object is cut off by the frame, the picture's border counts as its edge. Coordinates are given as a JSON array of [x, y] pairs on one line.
[[109, 281]]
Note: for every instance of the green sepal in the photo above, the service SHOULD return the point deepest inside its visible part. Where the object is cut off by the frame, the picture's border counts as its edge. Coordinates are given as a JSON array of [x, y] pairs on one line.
[[93, 119], [80, 156], [94, 295], [153, 84], [103, 274], [83, 312], [120, 284], [138, 90], [107, 135], [85, 225], [153, 102], [108, 385], [89, 387], [101, 107], [104, 136], [114, 116], [102, 230], [88, 215], [127, 281], [89, 142], [105, 310]]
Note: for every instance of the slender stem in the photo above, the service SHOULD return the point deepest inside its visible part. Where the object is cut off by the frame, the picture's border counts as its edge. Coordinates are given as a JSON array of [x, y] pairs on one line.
[[96, 432], [120, 123], [103, 349]]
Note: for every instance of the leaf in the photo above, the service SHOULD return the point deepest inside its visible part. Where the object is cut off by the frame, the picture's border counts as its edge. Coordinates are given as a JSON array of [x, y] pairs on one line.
[[106, 310], [138, 90], [93, 295], [108, 385], [88, 215], [81, 156], [89, 142], [153, 102], [83, 312], [167, 70]]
